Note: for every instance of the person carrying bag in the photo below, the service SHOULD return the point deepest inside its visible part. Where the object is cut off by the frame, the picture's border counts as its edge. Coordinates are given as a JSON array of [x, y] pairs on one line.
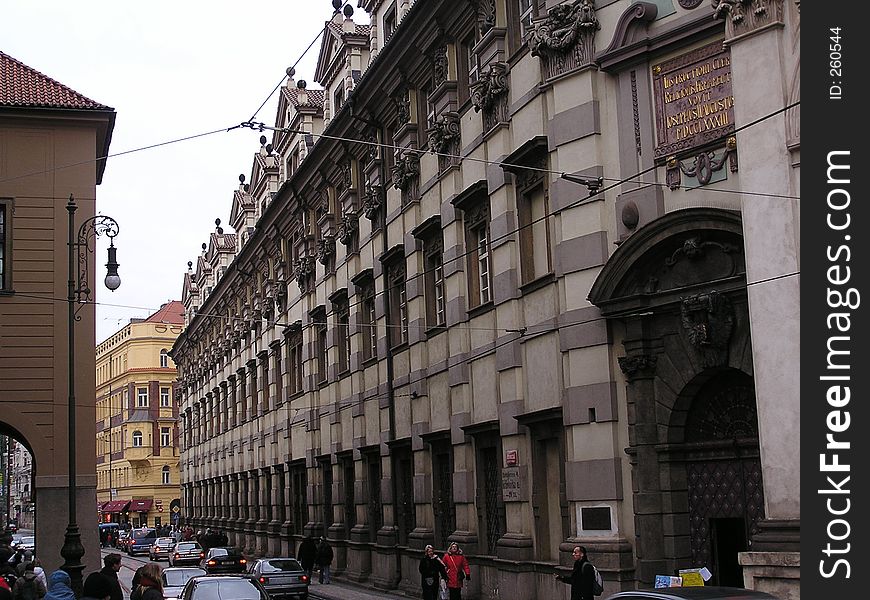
[[457, 571]]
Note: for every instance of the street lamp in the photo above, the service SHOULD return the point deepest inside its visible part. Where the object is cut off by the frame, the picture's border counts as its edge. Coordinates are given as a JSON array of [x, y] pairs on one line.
[[78, 292]]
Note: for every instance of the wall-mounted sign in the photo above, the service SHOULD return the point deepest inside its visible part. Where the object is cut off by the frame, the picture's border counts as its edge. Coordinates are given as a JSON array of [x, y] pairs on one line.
[[511, 484], [511, 458], [693, 99]]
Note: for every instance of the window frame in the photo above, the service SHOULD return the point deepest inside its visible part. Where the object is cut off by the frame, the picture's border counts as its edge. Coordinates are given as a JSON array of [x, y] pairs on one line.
[[142, 392], [294, 361], [529, 244], [390, 22], [164, 359], [321, 344], [341, 309], [165, 399], [138, 436], [165, 436], [165, 473], [7, 211], [398, 300]]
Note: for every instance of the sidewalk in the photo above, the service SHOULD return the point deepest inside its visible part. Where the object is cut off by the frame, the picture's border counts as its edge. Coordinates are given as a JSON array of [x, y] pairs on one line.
[[348, 591]]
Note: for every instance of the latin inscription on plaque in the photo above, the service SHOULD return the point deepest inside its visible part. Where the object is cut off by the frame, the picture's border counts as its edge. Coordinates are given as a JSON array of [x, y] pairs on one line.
[[512, 488], [693, 99]]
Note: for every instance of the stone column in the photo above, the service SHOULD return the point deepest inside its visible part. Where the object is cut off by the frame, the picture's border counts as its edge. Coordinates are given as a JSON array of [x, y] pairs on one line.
[[288, 545], [264, 508], [253, 512], [242, 514], [276, 516]]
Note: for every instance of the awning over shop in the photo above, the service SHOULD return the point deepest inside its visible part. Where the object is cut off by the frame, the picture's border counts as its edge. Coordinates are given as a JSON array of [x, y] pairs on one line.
[[140, 505], [101, 504], [115, 506]]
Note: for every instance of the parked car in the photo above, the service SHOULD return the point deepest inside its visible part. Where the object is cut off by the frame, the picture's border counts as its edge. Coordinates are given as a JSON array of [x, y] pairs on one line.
[[224, 587], [282, 577], [141, 540], [693, 593], [174, 579], [186, 553], [161, 548], [224, 559], [28, 542]]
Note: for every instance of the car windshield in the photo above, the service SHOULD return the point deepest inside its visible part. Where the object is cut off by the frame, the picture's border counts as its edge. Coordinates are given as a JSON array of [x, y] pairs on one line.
[[143, 533], [280, 564], [178, 577], [219, 551], [187, 546], [226, 589]]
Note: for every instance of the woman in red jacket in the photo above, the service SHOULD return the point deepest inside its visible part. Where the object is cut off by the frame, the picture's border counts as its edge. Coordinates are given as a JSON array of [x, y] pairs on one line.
[[457, 570]]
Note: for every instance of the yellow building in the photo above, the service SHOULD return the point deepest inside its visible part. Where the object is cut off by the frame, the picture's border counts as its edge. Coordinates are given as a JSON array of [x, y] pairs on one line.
[[137, 440]]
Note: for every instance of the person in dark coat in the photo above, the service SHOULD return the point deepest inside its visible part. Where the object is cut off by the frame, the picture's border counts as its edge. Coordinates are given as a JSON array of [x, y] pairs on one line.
[[431, 572], [111, 566], [324, 559], [150, 585], [581, 576], [307, 555], [97, 587]]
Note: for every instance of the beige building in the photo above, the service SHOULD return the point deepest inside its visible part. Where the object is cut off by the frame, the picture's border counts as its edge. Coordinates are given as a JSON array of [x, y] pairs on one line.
[[53, 141], [502, 282], [137, 413]]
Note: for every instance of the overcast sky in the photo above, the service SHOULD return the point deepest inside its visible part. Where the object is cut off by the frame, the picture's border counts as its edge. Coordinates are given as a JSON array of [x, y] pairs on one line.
[[170, 70]]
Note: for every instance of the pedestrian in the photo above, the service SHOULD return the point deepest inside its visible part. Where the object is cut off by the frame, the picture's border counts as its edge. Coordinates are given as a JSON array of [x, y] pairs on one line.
[[97, 587], [431, 572], [457, 570], [581, 577], [307, 555], [324, 559], [59, 587], [27, 586], [27, 559], [150, 585], [111, 566]]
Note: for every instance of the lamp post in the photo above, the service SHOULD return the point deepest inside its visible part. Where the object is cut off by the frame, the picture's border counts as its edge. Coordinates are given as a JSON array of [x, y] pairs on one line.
[[79, 292]]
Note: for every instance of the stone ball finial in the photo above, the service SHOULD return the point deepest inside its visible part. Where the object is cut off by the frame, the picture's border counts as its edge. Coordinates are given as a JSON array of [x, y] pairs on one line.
[[290, 72], [217, 222], [241, 178], [348, 11], [302, 84], [263, 140], [189, 264], [336, 4], [204, 246]]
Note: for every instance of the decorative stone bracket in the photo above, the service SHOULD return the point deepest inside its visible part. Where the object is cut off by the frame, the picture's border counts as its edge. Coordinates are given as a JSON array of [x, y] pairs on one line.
[[325, 249], [491, 85], [442, 135], [745, 16], [709, 322], [303, 268], [347, 226], [704, 165], [564, 27], [406, 169], [373, 199]]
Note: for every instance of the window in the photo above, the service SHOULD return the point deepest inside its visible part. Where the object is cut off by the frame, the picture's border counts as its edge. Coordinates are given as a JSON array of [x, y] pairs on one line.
[[424, 117], [376, 514], [389, 23], [164, 479], [164, 359], [367, 315], [478, 263], [338, 100], [165, 439], [520, 15], [5, 244], [467, 66], [429, 232], [142, 397], [397, 296], [298, 498], [534, 232], [321, 348], [342, 313], [137, 439], [294, 361], [165, 397]]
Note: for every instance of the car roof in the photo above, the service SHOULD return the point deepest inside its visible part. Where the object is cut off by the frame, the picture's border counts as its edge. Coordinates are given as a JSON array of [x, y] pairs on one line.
[[694, 593]]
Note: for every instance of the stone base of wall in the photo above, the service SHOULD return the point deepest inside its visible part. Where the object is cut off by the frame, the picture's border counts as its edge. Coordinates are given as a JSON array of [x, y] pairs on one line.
[[777, 573]]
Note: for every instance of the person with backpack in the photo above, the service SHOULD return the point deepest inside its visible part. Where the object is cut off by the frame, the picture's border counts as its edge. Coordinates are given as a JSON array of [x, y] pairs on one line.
[[28, 586], [584, 578], [324, 559]]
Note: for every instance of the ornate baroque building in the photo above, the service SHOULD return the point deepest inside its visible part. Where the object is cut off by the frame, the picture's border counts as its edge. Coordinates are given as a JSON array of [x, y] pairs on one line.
[[504, 281], [137, 414]]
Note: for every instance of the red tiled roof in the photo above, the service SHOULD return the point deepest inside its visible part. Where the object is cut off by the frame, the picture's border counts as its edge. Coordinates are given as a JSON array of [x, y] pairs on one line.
[[315, 97], [172, 312], [24, 86]]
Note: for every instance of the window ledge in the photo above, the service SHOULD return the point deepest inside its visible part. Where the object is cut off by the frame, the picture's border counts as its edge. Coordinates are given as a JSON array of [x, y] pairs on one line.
[[373, 360], [436, 330], [536, 284], [481, 309], [399, 347]]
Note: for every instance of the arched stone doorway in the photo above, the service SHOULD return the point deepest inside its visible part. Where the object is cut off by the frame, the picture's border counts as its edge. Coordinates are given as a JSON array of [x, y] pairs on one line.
[[674, 294]]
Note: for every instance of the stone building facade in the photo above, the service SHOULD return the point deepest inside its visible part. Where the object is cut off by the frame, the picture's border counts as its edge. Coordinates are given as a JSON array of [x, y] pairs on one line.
[[137, 416], [500, 282]]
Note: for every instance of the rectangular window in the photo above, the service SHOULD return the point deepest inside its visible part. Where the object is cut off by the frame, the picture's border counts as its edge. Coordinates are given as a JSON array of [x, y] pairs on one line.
[[338, 100], [294, 363], [398, 300], [479, 262], [423, 115], [142, 397], [165, 397], [298, 498], [367, 319], [376, 514], [320, 338], [534, 233], [165, 439], [164, 481], [342, 313], [520, 15], [467, 63], [5, 244], [436, 309], [389, 23]]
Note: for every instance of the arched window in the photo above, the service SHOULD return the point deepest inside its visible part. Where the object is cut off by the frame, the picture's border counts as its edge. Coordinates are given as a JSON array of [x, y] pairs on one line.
[[164, 359], [165, 475], [137, 439]]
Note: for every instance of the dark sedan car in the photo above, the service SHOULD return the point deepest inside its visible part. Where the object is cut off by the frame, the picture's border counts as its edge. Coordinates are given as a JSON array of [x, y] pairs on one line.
[[223, 587], [224, 559], [693, 593], [282, 577], [186, 553]]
